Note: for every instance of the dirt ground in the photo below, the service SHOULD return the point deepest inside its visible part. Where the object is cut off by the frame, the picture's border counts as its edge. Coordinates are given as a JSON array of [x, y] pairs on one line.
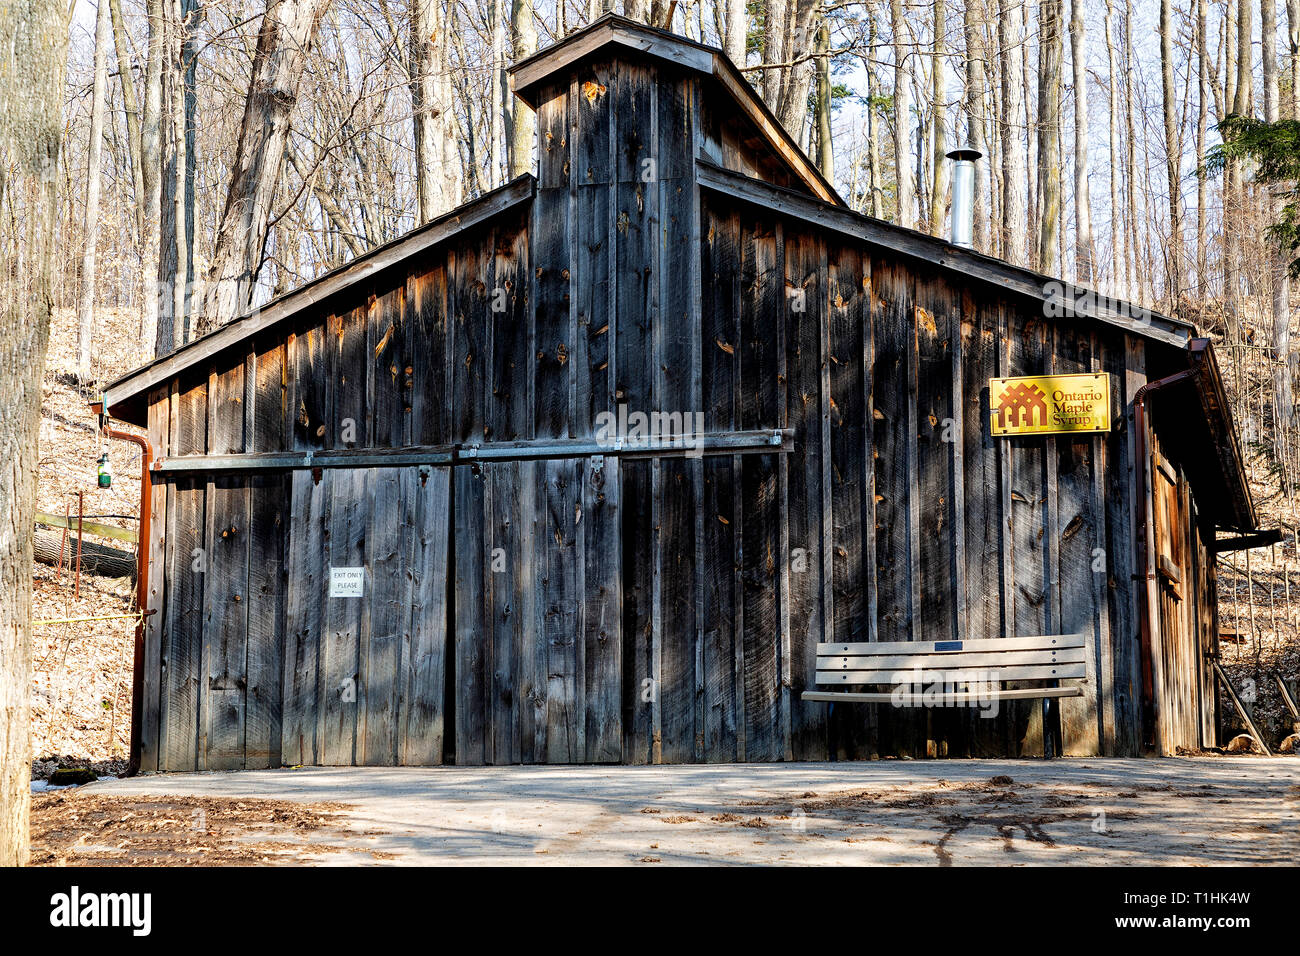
[[1177, 811]]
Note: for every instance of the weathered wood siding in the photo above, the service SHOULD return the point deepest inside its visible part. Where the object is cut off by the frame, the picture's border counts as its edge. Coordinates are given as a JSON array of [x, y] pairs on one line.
[[886, 367], [576, 607]]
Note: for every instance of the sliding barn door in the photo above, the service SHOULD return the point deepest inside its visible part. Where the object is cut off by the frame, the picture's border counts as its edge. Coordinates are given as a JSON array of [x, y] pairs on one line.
[[365, 655], [538, 656]]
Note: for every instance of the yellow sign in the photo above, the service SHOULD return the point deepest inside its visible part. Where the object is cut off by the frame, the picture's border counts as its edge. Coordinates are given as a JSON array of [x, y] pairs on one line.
[[1050, 404]]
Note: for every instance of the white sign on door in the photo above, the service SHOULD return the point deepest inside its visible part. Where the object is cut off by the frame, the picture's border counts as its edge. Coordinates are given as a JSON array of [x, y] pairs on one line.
[[347, 582]]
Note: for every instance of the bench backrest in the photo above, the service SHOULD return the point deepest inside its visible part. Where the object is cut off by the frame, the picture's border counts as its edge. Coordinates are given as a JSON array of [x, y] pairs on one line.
[[1049, 657]]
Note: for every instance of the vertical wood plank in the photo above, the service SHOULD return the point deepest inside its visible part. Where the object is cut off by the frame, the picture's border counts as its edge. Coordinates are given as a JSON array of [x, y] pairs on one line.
[[423, 707], [762, 565], [806, 559], [602, 613], [225, 634], [720, 358], [308, 582], [388, 599], [471, 651], [341, 680], [153, 626], [1077, 530]]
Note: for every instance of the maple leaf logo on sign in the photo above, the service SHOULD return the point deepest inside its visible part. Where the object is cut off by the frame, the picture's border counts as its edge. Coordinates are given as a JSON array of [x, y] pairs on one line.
[[1050, 404]]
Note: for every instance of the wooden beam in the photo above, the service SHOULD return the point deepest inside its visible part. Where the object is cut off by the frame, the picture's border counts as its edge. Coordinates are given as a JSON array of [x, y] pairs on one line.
[[914, 700], [89, 527], [1261, 539], [718, 443], [1241, 709]]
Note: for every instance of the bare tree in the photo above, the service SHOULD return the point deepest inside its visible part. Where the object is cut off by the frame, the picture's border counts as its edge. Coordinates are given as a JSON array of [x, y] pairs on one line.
[[1117, 271], [1202, 122], [31, 128], [282, 43], [1082, 196], [939, 135], [905, 214], [822, 109], [1283, 401], [130, 107], [152, 341], [977, 113], [736, 32], [86, 300], [1011, 26], [1293, 49], [1173, 153], [1049, 118], [437, 167], [523, 125]]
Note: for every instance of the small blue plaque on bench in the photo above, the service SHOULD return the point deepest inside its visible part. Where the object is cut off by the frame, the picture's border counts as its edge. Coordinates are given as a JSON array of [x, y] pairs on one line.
[[947, 645]]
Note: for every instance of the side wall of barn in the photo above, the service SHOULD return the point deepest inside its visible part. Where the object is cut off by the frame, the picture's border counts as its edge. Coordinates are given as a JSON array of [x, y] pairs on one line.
[[917, 524]]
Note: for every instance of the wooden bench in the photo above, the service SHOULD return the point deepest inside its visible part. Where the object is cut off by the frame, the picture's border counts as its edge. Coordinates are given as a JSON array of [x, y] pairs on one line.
[[1052, 657]]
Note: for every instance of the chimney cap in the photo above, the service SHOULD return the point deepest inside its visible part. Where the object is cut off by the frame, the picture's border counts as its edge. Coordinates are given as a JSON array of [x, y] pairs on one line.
[[966, 152]]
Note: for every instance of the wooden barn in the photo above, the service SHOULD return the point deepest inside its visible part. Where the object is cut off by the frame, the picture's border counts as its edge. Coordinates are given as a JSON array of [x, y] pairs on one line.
[[417, 511]]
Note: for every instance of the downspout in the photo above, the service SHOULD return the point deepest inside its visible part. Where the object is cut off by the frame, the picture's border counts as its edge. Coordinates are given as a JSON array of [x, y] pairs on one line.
[[141, 578], [1145, 551]]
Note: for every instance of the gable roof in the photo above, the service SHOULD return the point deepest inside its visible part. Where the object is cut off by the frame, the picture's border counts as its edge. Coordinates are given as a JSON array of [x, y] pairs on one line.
[[532, 74]]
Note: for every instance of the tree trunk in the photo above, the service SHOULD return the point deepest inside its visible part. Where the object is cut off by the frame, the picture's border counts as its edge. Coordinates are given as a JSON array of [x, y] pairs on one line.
[[737, 31], [939, 135], [1049, 118], [173, 252], [286, 33], [1133, 281], [795, 78], [31, 87], [1113, 171], [523, 128], [976, 113], [1011, 27], [905, 214], [1283, 401], [437, 166], [1173, 154], [1233, 220], [1082, 196], [131, 107], [86, 299], [1293, 48], [825, 153], [775, 24], [874, 186], [152, 341], [500, 91], [1202, 123]]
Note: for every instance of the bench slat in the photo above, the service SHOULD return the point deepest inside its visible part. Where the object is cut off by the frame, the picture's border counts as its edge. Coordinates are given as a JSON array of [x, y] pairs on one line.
[[999, 644], [905, 662], [959, 673], [853, 697]]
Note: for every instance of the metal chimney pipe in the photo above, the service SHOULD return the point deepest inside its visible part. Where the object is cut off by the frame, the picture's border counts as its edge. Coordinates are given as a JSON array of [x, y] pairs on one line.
[[963, 194]]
